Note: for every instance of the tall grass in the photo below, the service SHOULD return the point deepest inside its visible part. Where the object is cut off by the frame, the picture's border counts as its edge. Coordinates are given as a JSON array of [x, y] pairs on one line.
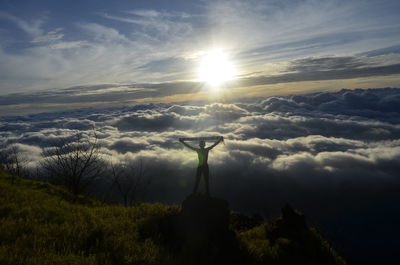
[[39, 225]]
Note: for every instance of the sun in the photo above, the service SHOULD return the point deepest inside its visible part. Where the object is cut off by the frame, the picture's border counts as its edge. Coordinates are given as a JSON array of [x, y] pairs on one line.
[[216, 68]]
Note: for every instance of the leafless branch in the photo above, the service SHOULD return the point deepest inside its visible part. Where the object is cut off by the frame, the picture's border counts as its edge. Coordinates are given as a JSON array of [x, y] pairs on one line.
[[129, 180], [75, 164]]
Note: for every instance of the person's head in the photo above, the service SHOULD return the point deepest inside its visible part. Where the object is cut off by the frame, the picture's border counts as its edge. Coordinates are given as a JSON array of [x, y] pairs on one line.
[[202, 144]]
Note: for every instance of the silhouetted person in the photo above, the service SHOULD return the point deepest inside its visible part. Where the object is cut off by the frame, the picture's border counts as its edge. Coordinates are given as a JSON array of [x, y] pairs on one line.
[[202, 168]]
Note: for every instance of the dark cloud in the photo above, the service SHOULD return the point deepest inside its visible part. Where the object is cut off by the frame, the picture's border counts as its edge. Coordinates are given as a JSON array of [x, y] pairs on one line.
[[169, 65], [318, 75], [78, 125], [153, 121], [381, 105], [185, 110], [333, 155], [118, 94], [388, 50], [225, 112], [325, 64], [128, 145]]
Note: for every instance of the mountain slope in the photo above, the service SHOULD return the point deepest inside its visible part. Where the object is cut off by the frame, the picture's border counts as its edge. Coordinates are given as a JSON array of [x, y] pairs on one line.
[[40, 226]]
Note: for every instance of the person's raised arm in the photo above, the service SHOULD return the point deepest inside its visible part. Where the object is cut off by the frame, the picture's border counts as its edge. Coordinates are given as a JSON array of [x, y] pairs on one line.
[[187, 145], [216, 143]]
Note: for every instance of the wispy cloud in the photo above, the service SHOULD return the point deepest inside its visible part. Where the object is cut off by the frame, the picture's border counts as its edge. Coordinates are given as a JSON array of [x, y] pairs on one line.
[[312, 69], [68, 44], [155, 46], [33, 28], [50, 36], [151, 13], [157, 24], [282, 30]]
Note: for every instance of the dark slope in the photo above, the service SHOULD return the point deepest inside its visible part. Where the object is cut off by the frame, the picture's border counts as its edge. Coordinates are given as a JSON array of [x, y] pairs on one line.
[[40, 226]]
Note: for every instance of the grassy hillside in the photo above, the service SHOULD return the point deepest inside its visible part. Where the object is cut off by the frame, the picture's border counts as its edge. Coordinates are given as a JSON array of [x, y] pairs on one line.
[[40, 226]]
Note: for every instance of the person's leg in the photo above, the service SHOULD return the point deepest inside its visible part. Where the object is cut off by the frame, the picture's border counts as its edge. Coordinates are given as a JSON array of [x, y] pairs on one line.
[[198, 175], [206, 179]]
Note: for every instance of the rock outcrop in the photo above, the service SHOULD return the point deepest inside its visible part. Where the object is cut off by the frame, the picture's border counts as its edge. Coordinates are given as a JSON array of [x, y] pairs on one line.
[[200, 234]]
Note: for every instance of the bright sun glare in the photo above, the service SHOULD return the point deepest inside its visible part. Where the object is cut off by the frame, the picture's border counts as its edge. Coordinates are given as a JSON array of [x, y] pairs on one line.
[[216, 68]]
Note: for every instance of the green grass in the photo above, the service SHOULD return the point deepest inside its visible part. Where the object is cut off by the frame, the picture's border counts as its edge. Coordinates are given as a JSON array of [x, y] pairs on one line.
[[310, 248], [40, 225]]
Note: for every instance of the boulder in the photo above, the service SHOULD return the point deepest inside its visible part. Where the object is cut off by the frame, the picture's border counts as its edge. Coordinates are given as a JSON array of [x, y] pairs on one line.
[[203, 231]]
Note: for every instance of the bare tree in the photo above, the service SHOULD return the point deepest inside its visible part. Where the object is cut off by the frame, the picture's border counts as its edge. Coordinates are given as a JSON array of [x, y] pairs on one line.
[[13, 161], [130, 181], [75, 164]]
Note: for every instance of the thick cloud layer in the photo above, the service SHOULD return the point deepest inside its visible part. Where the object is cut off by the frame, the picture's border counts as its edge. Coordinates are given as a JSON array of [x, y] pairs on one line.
[[334, 156]]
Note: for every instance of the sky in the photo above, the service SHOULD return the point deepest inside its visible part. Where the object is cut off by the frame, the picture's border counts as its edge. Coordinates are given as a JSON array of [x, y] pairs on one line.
[[99, 53], [310, 115]]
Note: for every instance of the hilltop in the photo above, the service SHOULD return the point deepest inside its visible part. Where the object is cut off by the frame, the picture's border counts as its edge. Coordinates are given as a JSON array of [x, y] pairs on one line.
[[40, 225]]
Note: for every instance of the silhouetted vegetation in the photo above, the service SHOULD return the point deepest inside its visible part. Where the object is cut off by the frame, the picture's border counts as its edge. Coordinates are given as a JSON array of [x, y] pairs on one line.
[[74, 164], [13, 161], [129, 180], [287, 240], [39, 225]]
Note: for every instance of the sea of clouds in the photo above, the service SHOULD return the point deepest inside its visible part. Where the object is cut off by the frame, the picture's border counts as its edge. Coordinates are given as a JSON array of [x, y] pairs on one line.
[[333, 155]]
